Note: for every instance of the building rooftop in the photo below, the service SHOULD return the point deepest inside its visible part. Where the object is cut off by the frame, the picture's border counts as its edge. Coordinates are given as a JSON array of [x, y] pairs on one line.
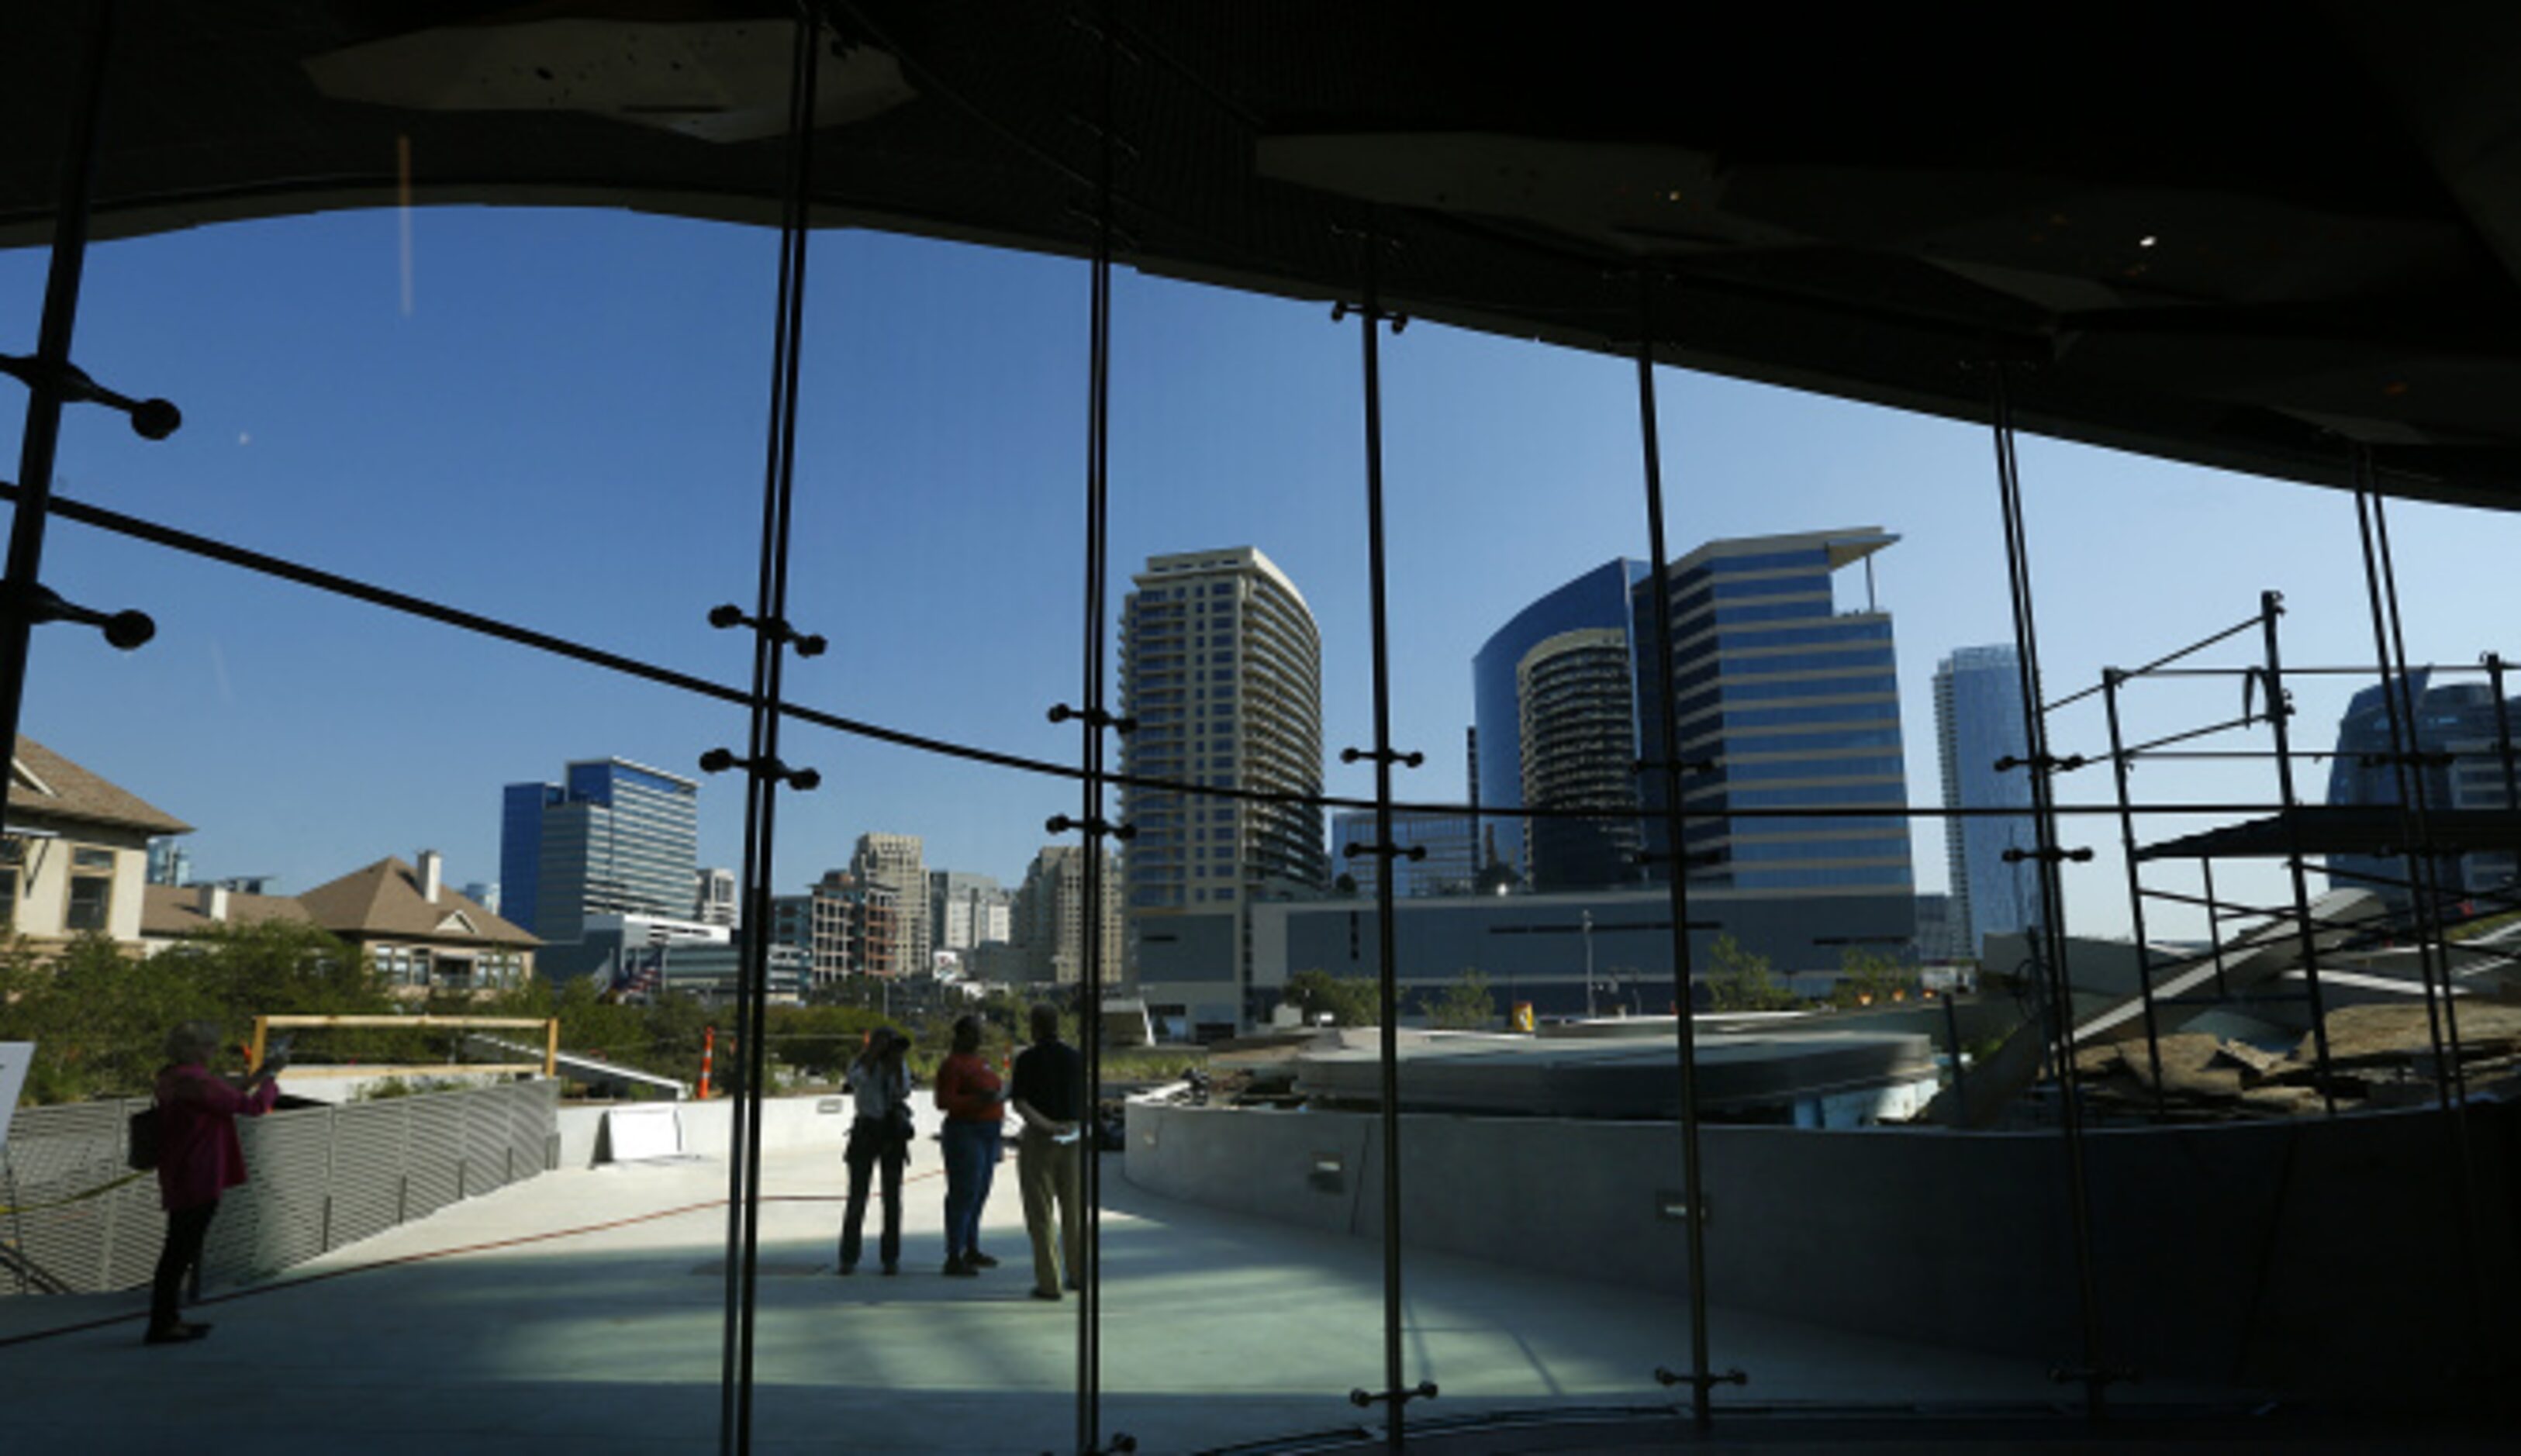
[[386, 899], [46, 785], [171, 910]]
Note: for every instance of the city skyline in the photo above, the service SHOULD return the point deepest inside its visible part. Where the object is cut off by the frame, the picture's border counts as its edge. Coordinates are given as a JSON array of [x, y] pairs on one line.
[[2362, 707], [283, 723]]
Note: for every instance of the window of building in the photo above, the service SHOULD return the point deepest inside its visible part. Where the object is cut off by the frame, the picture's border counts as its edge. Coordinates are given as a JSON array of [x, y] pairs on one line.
[[91, 902]]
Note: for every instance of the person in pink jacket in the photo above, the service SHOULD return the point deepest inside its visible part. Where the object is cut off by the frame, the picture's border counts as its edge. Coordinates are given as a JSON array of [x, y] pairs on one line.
[[199, 1159]]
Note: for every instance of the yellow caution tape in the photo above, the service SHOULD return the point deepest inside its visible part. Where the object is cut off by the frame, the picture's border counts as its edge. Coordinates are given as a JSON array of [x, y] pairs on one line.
[[98, 1191]]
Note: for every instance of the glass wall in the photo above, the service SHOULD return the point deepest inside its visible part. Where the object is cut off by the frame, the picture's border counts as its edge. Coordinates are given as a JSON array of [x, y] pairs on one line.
[[456, 566], [1242, 630]]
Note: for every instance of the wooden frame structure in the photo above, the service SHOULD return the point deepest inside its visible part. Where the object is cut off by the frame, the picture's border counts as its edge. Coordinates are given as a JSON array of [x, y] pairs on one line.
[[548, 1066]]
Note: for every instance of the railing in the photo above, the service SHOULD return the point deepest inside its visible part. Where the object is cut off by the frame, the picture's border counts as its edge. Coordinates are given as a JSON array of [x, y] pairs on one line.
[[74, 1220], [546, 1067]]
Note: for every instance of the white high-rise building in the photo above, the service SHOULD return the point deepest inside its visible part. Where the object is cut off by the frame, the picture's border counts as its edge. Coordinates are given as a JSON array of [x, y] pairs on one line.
[[1220, 666], [713, 899], [965, 910]]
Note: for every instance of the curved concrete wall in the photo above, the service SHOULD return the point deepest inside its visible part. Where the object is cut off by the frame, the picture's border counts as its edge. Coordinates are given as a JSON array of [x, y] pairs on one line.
[[2279, 1256]]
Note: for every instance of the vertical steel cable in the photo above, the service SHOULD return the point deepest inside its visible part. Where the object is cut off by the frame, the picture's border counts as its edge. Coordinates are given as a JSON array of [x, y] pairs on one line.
[[2399, 709], [770, 647], [2213, 925], [39, 440], [2058, 989], [2429, 935], [1676, 822], [1386, 987], [1091, 754], [2504, 731], [2450, 1089]]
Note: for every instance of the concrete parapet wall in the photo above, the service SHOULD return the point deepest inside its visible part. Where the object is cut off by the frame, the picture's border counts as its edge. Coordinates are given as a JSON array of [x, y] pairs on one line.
[[2270, 1255], [788, 1124]]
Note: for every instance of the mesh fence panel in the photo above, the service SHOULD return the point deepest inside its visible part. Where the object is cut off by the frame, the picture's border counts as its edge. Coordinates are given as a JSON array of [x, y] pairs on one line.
[[434, 1174], [322, 1178], [370, 1145], [276, 1220], [486, 1161]]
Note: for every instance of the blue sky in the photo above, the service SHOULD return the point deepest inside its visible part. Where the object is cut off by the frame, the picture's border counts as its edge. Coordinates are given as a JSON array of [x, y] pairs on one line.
[[565, 429]]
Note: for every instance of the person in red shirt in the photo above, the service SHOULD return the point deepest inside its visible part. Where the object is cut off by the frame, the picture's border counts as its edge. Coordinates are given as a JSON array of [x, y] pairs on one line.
[[199, 1159], [974, 1105]]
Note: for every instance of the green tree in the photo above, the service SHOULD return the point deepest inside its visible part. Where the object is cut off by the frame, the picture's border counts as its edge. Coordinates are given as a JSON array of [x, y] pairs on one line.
[[1742, 980], [1347, 1000], [1867, 978], [820, 1041], [99, 1013], [1464, 1006]]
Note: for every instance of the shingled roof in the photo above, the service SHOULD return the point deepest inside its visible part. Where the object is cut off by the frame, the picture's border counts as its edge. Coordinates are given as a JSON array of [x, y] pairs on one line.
[[49, 786], [169, 910], [385, 898]]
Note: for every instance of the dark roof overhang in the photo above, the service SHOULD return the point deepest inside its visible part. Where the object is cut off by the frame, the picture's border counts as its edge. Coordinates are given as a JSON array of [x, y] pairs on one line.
[[2242, 235]]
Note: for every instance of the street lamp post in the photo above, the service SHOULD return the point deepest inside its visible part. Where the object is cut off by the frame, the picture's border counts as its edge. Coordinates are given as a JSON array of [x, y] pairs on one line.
[[1588, 964]]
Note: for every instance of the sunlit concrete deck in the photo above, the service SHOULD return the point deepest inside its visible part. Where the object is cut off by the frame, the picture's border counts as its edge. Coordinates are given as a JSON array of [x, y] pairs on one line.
[[582, 1311]]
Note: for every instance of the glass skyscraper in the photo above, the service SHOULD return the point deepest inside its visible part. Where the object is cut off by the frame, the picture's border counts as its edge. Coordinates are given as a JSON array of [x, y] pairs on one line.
[[1978, 720], [613, 838], [1576, 713], [1596, 602], [2456, 727], [1450, 865], [1793, 705]]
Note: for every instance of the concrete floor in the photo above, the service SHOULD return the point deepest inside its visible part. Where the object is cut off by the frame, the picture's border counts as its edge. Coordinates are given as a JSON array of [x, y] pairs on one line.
[[583, 1310]]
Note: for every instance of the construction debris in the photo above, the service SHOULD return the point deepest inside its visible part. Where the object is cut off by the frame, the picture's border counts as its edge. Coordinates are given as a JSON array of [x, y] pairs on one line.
[[2378, 1056]]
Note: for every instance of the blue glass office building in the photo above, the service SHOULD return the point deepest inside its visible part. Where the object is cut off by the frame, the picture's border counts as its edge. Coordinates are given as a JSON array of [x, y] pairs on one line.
[[613, 837], [1595, 602], [2457, 727], [1793, 705], [1449, 866], [1978, 720]]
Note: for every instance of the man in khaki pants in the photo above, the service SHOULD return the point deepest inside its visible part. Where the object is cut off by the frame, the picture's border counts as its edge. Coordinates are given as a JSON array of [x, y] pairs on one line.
[[1049, 1095]]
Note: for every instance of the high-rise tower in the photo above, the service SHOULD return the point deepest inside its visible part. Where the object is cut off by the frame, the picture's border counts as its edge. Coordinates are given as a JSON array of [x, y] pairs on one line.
[[967, 910], [898, 862], [1577, 714], [2456, 734], [613, 837], [1050, 917], [1596, 602], [1795, 705], [1220, 666], [1978, 720]]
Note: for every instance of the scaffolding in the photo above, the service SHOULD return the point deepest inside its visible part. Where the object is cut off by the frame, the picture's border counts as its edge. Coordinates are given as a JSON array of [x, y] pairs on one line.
[[2288, 954]]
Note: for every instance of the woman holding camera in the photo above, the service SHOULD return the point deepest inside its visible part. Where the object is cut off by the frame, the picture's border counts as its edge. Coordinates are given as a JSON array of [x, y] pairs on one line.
[[879, 1139], [199, 1159]]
